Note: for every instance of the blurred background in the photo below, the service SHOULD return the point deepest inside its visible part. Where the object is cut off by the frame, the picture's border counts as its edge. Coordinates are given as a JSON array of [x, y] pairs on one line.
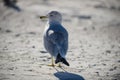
[[94, 38]]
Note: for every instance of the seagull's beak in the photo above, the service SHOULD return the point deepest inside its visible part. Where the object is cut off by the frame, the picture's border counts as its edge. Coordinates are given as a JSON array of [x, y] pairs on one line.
[[43, 17]]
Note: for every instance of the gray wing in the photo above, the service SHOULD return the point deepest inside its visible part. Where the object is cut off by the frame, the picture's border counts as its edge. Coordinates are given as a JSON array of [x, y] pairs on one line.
[[60, 40]]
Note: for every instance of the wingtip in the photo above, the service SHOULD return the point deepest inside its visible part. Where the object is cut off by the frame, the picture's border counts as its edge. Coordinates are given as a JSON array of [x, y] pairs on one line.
[[65, 62], [62, 60]]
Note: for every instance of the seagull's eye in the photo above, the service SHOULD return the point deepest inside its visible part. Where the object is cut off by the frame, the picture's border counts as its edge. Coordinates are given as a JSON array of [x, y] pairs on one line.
[[51, 15]]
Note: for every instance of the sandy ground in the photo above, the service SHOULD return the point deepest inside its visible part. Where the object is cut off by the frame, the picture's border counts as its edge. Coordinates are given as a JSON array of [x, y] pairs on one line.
[[94, 40]]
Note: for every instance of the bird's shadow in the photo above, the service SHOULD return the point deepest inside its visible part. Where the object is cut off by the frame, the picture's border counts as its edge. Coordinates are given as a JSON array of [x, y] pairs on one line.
[[68, 76]]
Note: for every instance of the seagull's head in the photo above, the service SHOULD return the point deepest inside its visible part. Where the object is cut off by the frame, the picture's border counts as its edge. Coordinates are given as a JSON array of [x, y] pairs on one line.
[[53, 16]]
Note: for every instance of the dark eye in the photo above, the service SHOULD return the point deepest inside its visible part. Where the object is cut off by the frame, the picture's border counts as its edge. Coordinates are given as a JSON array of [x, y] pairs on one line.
[[51, 15]]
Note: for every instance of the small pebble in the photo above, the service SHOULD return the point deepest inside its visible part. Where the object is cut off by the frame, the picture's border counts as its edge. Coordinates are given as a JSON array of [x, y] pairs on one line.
[[11, 68], [8, 31], [33, 46], [97, 73], [32, 33], [112, 46], [85, 29], [119, 61], [44, 60], [84, 17], [108, 51], [104, 64], [115, 68], [111, 69], [49, 58], [43, 52], [100, 6], [93, 28], [17, 35], [113, 7], [30, 70]]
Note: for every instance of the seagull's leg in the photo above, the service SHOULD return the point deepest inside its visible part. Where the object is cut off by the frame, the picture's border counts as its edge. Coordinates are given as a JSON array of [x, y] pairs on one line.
[[52, 65], [59, 65]]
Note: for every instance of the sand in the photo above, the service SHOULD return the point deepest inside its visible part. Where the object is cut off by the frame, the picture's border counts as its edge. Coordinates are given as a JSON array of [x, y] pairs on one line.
[[94, 40]]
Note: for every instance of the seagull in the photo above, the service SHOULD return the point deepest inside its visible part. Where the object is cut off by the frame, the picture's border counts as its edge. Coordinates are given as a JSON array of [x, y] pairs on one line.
[[55, 38]]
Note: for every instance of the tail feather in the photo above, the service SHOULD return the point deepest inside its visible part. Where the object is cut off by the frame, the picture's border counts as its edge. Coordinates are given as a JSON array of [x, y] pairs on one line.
[[61, 59]]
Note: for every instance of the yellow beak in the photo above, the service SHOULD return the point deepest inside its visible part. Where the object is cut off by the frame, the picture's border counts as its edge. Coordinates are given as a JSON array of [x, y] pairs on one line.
[[43, 17]]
